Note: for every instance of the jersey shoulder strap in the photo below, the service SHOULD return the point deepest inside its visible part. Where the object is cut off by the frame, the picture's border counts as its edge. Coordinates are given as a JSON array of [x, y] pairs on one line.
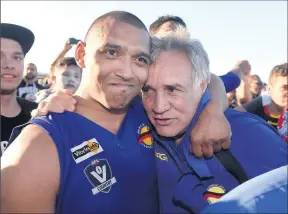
[[232, 165]]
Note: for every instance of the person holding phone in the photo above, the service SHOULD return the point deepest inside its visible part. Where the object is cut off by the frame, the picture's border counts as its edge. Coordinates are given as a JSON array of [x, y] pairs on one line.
[[64, 73]]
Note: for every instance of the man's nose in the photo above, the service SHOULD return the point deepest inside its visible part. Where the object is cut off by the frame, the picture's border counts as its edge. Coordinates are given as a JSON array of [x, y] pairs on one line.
[[6, 63], [126, 72], [160, 104], [72, 80]]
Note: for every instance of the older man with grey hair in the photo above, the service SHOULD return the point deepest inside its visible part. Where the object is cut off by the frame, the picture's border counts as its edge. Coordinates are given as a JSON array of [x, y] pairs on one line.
[[169, 23], [174, 96]]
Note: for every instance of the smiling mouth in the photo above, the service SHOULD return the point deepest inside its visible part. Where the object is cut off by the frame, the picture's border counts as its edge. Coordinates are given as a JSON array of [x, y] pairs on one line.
[[7, 76]]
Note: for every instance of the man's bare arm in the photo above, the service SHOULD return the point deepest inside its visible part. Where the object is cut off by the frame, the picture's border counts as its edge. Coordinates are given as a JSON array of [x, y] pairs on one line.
[[212, 131], [218, 94], [30, 173], [61, 55], [243, 93]]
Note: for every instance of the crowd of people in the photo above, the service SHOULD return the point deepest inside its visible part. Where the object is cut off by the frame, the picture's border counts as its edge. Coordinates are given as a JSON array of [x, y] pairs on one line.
[[137, 123]]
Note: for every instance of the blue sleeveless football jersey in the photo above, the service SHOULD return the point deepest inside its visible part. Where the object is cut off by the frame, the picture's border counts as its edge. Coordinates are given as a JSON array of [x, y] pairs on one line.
[[102, 172]]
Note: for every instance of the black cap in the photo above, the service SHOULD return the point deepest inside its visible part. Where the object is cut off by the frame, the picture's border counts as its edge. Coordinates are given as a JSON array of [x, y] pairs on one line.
[[20, 34]]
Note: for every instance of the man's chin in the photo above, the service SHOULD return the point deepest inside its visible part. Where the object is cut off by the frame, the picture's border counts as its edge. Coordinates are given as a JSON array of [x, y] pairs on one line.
[[7, 91], [119, 101], [116, 107], [165, 132], [30, 78]]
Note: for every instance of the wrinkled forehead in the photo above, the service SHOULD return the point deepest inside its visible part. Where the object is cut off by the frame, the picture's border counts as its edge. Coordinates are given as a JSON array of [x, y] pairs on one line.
[[118, 33], [10, 46], [171, 66]]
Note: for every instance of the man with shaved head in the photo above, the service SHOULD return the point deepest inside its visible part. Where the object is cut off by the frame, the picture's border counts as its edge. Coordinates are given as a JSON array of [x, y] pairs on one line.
[[29, 85], [89, 161], [100, 158]]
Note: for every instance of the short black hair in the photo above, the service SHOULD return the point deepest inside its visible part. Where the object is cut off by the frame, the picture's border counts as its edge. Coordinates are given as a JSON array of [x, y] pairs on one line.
[[162, 19], [121, 16]]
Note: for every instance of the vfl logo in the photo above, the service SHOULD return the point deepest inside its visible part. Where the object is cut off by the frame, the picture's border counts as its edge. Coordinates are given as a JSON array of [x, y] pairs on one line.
[[86, 150], [99, 175]]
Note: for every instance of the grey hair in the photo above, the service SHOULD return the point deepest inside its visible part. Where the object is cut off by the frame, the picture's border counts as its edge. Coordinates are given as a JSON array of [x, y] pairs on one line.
[[193, 48]]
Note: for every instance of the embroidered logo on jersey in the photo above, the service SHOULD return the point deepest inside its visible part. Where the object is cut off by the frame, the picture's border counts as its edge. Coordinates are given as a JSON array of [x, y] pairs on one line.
[[86, 150], [213, 193], [99, 174], [161, 156], [144, 136]]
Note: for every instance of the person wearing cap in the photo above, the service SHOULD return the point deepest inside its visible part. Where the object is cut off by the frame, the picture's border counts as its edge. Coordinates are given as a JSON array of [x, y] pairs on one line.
[[16, 41], [169, 23]]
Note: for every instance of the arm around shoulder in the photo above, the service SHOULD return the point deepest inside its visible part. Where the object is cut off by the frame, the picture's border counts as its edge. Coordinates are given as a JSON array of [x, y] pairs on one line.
[[30, 173]]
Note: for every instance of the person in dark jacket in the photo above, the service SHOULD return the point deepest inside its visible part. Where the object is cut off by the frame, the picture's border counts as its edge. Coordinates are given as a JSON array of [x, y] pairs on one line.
[[16, 41]]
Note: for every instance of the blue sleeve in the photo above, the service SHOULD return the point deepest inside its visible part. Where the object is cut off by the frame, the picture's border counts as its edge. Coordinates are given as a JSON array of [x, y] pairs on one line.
[[267, 150], [231, 81]]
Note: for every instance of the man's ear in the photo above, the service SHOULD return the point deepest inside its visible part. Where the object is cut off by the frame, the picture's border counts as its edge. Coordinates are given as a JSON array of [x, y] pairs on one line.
[[80, 53], [203, 86]]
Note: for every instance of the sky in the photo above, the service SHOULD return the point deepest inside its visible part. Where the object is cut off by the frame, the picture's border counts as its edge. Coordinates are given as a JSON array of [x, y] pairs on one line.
[[229, 30]]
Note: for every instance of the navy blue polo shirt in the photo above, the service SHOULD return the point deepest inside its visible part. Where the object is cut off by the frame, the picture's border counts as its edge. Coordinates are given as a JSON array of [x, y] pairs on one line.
[[188, 184]]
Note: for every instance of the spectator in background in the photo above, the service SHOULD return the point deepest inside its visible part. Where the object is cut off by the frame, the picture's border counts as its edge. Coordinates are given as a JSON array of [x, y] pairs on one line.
[[256, 85], [41, 81], [232, 102], [46, 82], [16, 41], [166, 24], [243, 93], [29, 85], [277, 89], [264, 90], [66, 75]]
